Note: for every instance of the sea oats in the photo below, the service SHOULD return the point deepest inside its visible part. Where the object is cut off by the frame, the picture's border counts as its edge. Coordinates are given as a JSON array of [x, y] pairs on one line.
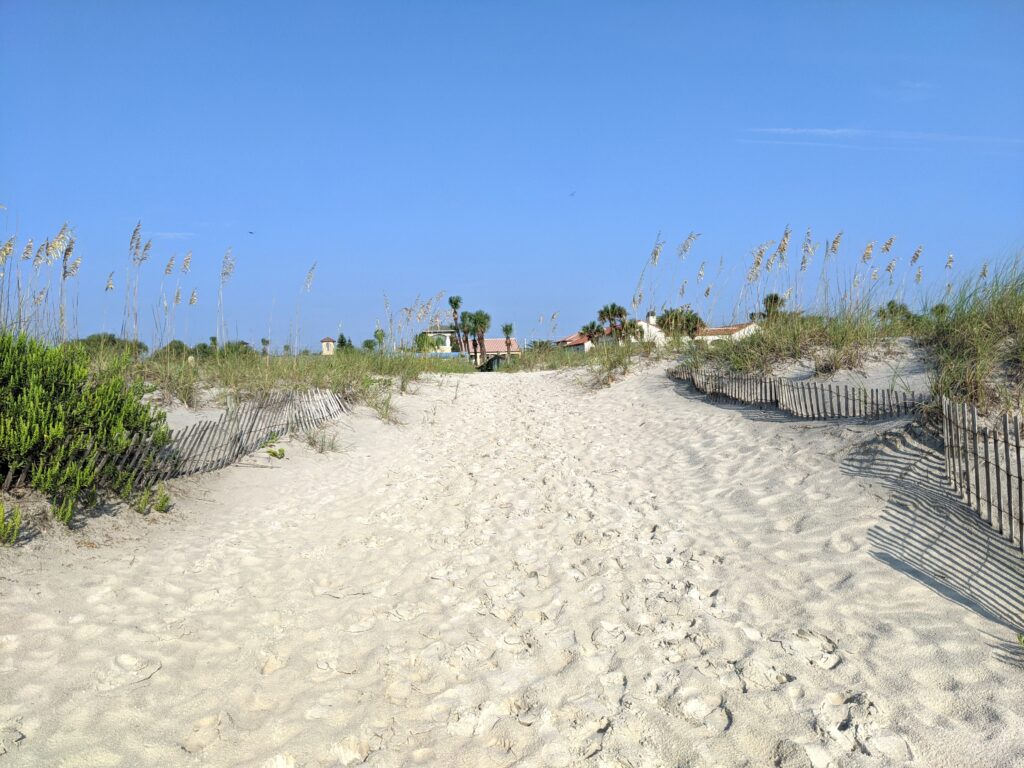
[[918, 276], [656, 251], [758, 254], [707, 291], [687, 244], [170, 267], [136, 240], [110, 283], [227, 266], [40, 256], [834, 248], [866, 256], [308, 285], [186, 263], [194, 298], [917, 255], [6, 251], [780, 252], [682, 289], [39, 298], [72, 271], [700, 272], [874, 273], [177, 296], [144, 256], [26, 252], [949, 261], [984, 270], [887, 245]]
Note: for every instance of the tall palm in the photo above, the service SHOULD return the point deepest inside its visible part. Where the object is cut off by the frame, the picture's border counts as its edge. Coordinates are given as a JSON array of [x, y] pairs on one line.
[[455, 302], [614, 315], [469, 331], [507, 330], [773, 304], [483, 324]]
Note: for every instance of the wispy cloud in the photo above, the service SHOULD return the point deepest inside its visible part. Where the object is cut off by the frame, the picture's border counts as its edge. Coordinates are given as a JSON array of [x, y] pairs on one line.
[[830, 135], [173, 235]]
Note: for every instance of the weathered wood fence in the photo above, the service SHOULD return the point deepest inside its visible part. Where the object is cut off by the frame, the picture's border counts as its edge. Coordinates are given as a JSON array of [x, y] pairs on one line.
[[211, 445], [983, 464], [806, 399]]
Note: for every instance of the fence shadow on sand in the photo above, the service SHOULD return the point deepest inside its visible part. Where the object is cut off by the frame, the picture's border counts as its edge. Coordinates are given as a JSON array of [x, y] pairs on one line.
[[936, 539]]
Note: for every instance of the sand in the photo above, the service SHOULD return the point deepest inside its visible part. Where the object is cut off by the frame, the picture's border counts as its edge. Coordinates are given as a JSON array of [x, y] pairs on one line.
[[528, 573], [899, 364]]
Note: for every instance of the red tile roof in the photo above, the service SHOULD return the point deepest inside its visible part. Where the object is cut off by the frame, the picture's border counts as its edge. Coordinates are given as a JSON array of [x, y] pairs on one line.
[[574, 340], [725, 330], [497, 346], [326, 338]]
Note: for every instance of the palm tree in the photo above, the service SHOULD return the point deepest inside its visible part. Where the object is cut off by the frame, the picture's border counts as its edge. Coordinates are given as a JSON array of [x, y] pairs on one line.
[[469, 331], [455, 302], [593, 331], [773, 303], [681, 321], [265, 347], [614, 315], [632, 331], [507, 330], [483, 324]]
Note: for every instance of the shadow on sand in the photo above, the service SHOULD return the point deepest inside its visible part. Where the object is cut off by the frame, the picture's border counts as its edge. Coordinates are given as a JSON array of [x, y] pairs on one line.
[[927, 533]]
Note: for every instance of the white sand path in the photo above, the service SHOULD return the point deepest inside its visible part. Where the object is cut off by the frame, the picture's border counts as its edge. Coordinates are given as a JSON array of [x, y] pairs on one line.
[[528, 574]]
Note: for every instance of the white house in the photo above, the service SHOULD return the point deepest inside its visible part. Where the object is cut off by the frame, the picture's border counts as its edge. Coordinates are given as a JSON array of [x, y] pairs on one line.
[[649, 332], [577, 342], [738, 331]]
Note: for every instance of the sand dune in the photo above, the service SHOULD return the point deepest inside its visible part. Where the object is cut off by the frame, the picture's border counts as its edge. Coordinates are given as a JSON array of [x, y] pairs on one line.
[[527, 573]]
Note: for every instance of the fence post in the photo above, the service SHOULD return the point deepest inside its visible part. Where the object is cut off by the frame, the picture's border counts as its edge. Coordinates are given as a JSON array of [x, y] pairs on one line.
[[999, 478], [1009, 481]]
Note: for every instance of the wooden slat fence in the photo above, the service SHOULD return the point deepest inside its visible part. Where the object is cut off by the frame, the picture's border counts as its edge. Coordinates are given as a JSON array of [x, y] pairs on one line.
[[212, 445], [983, 463], [806, 399]]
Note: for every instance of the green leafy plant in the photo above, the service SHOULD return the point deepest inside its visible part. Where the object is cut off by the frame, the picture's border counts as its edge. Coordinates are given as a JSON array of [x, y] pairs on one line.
[[9, 529], [162, 503], [276, 453], [61, 422]]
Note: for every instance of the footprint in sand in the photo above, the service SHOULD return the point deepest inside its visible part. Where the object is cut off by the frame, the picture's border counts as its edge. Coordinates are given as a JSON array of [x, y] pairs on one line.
[[125, 670], [10, 738], [206, 731], [762, 676], [852, 723], [700, 709], [363, 625], [813, 647]]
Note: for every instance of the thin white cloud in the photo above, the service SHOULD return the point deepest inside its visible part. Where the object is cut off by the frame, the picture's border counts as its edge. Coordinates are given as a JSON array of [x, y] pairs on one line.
[[864, 133], [173, 235]]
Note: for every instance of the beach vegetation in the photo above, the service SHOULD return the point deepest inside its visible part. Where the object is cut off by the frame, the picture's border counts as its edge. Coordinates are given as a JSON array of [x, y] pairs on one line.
[[10, 527]]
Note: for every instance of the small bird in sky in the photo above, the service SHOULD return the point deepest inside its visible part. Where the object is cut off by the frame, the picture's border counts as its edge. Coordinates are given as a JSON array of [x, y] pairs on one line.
[[572, 194], [252, 233]]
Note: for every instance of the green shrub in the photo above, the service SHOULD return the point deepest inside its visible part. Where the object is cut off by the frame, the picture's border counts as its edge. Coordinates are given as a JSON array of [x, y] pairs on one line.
[[58, 421], [9, 528]]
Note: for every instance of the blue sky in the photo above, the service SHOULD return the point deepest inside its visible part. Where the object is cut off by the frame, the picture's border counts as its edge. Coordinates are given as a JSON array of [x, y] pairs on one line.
[[523, 155]]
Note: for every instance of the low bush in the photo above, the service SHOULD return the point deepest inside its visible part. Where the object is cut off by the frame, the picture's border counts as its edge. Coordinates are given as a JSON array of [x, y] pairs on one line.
[[59, 420]]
